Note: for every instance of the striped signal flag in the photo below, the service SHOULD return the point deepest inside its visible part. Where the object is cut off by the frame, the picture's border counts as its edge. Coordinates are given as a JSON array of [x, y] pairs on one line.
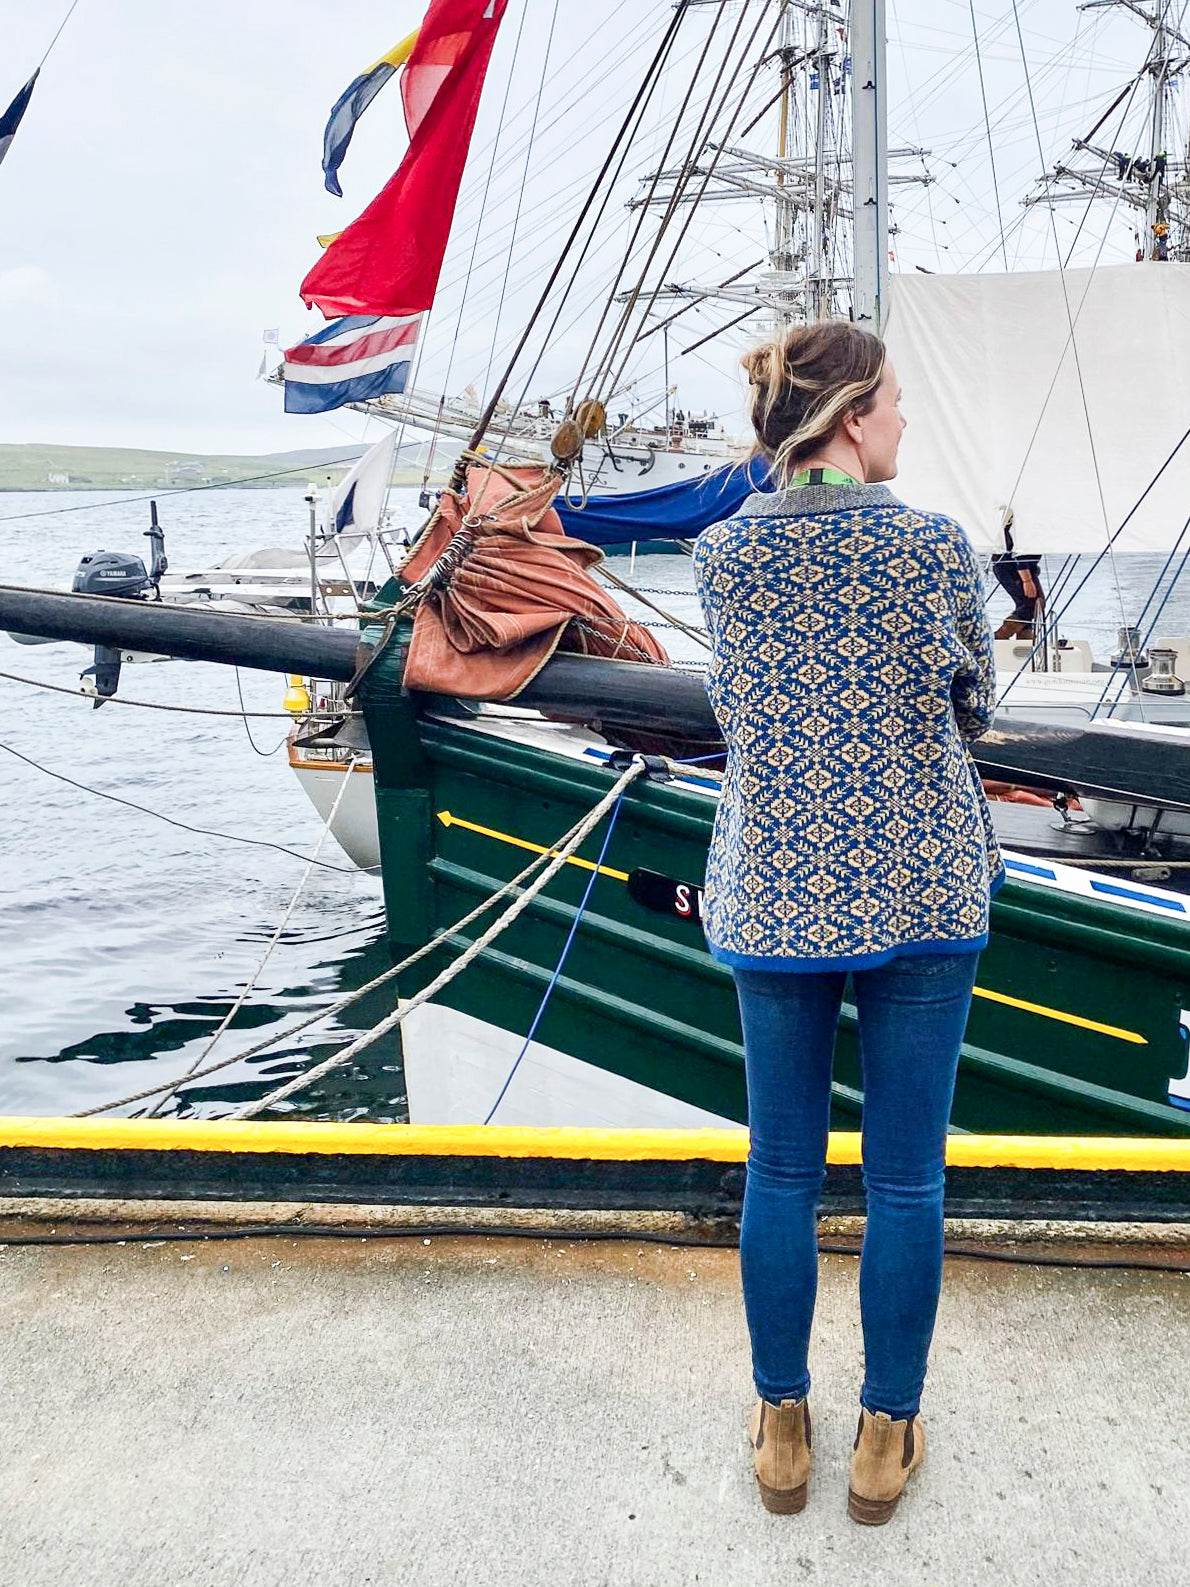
[[11, 119]]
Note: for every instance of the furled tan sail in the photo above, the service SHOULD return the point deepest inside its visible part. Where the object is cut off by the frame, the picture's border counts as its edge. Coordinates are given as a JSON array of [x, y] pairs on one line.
[[510, 589]]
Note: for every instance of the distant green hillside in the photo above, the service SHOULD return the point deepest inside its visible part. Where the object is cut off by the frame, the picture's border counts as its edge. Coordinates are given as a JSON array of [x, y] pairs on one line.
[[37, 466]]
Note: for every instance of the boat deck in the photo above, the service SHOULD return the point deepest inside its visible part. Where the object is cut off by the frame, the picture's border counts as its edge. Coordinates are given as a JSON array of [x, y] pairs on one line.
[[468, 1408]]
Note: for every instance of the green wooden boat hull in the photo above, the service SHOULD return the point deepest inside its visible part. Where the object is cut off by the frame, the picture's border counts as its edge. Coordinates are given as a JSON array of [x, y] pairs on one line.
[[1078, 1025]]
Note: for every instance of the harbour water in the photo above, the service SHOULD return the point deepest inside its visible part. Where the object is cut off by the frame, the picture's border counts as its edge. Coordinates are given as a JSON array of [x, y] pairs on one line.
[[124, 939]]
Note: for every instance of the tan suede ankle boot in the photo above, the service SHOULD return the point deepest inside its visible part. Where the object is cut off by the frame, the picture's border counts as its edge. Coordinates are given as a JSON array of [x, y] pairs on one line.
[[781, 1440], [885, 1453]]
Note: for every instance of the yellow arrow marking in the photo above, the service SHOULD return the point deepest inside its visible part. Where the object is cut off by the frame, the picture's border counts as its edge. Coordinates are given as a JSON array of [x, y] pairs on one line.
[[1067, 1019], [449, 820]]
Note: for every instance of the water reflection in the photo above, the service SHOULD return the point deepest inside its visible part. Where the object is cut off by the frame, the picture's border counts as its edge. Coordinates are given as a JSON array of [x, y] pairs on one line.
[[163, 1040]]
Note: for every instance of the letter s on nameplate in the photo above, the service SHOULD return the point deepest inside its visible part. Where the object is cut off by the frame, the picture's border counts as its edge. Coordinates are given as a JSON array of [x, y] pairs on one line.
[[666, 895]]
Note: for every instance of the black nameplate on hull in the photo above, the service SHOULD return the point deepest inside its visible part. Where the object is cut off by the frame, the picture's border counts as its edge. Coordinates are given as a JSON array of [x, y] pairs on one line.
[[666, 894]]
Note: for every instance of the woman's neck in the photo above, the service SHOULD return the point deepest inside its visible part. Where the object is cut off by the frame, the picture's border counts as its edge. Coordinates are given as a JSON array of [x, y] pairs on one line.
[[840, 455]]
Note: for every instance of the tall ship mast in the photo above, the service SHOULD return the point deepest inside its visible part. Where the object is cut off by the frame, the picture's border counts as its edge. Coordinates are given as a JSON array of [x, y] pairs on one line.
[[816, 244], [1147, 181]]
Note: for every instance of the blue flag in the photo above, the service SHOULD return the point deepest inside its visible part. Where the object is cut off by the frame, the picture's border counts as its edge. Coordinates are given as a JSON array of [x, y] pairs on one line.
[[11, 119], [350, 106]]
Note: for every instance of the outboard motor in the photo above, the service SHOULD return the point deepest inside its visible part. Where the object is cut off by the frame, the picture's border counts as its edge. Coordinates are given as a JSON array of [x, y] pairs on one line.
[[121, 574]]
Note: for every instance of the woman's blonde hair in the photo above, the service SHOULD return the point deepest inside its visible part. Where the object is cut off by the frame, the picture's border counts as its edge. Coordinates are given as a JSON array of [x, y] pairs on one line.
[[805, 383]]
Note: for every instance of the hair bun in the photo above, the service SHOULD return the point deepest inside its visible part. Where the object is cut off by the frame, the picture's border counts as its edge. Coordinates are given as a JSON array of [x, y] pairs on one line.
[[804, 383], [754, 362]]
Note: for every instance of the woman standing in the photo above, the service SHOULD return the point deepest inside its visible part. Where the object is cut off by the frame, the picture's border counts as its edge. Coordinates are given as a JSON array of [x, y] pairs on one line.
[[852, 663]]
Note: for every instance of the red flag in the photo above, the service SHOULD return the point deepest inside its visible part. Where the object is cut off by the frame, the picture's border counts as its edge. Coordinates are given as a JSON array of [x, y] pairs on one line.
[[388, 261]]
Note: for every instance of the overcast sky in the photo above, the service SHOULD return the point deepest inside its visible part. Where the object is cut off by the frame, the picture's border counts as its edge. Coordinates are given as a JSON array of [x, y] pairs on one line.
[[160, 203]]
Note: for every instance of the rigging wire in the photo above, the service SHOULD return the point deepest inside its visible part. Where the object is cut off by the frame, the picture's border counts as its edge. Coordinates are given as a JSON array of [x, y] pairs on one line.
[[581, 138], [1070, 337], [954, 152], [1147, 634], [651, 72], [549, 225], [58, 34], [204, 832], [144, 705], [570, 96], [644, 203], [624, 137], [611, 383], [529, 150], [1093, 195], [1073, 340], [1099, 556], [487, 187], [988, 126]]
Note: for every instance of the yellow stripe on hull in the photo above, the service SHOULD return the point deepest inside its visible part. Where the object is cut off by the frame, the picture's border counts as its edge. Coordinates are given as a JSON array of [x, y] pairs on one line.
[[1042, 1010], [1066, 1019], [449, 820]]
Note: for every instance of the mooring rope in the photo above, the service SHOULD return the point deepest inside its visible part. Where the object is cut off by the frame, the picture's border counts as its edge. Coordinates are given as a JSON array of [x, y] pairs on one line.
[[144, 705], [273, 940], [516, 908], [564, 842], [335, 1008]]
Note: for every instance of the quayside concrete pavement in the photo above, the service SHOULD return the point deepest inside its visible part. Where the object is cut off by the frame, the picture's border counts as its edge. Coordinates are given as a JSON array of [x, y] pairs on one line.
[[273, 1412]]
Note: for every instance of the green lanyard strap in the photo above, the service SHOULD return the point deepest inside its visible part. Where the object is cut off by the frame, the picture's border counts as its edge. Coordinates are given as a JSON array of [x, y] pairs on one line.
[[821, 476]]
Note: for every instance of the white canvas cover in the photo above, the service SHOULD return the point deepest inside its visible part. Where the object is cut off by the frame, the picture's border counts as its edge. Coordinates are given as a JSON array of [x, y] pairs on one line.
[[985, 360]]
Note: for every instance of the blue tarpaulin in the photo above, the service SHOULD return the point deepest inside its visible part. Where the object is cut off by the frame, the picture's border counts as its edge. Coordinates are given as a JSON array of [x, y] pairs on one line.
[[670, 512]]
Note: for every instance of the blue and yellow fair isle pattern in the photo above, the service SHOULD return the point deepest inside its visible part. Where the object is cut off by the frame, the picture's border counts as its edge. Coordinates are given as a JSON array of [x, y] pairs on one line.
[[852, 663]]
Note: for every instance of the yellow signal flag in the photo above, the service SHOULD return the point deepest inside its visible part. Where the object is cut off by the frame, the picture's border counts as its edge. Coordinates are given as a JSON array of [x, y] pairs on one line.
[[398, 55]]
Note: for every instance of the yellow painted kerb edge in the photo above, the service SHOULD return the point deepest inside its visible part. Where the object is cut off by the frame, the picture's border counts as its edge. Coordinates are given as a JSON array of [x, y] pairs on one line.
[[446, 1140]]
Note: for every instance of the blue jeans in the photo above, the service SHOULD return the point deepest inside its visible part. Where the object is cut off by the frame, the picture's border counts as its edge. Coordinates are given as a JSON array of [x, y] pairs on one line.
[[912, 1013]]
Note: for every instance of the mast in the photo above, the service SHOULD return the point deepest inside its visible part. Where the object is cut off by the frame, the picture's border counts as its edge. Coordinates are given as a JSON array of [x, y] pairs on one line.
[[869, 151], [1156, 209], [820, 283], [1146, 182], [802, 179]]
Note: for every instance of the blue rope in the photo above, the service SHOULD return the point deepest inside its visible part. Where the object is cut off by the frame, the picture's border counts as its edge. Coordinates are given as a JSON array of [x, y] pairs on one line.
[[574, 925]]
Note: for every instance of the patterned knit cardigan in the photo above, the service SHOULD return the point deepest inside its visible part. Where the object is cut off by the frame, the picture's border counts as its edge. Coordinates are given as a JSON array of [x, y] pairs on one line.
[[852, 663]]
